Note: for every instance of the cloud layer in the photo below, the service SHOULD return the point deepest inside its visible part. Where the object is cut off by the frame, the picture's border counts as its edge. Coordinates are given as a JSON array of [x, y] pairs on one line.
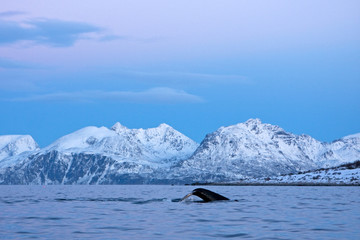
[[11, 13], [50, 32], [153, 95]]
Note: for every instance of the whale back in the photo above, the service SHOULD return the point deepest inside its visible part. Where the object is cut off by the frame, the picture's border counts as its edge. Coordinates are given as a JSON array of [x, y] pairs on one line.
[[207, 195]]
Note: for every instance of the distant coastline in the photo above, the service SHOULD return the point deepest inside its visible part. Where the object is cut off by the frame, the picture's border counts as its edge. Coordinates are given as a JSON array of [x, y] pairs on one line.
[[300, 184]]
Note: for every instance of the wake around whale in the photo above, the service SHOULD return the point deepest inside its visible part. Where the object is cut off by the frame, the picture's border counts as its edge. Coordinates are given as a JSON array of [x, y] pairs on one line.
[[206, 195]]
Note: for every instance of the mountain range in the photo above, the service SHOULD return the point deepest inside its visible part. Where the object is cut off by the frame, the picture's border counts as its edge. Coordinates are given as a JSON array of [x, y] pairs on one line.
[[118, 155]]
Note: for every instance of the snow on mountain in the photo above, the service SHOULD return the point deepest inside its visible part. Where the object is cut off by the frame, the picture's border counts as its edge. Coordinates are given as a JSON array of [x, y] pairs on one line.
[[99, 155], [344, 150], [95, 155], [353, 137], [81, 140], [156, 145], [343, 174], [13, 145], [255, 149]]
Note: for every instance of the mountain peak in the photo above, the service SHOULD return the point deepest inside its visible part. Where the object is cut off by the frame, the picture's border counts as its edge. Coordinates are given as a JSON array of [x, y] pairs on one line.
[[253, 121], [357, 135], [164, 125], [117, 127], [15, 144]]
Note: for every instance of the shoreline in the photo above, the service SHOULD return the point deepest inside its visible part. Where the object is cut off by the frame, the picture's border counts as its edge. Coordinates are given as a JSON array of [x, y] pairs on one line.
[[300, 184]]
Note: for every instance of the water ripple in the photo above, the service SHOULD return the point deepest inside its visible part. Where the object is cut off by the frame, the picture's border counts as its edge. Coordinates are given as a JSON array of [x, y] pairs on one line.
[[96, 199], [155, 212], [235, 235]]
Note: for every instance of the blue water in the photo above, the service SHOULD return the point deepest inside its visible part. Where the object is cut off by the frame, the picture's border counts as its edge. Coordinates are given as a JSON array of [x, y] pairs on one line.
[[153, 212]]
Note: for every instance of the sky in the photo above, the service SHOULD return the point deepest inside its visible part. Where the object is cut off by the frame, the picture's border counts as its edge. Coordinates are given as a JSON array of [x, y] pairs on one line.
[[195, 65]]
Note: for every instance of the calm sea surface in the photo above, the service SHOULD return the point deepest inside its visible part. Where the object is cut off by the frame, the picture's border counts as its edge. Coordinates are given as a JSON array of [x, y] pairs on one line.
[[154, 212]]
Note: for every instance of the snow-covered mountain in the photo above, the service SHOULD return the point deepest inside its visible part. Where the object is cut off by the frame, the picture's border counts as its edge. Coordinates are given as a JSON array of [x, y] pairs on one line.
[[154, 145], [99, 155], [344, 174], [102, 155], [255, 149], [14, 145], [344, 150]]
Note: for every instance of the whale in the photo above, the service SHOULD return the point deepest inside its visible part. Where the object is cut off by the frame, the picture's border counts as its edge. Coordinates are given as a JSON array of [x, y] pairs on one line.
[[206, 195]]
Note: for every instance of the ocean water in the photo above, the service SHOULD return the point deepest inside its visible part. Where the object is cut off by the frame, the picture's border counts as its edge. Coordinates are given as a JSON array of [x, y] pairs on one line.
[[154, 212]]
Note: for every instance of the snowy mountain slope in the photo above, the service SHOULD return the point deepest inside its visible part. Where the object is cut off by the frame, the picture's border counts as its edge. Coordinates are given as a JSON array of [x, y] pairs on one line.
[[99, 155], [255, 149], [344, 150], [343, 174], [156, 145], [55, 167], [95, 155], [13, 145]]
